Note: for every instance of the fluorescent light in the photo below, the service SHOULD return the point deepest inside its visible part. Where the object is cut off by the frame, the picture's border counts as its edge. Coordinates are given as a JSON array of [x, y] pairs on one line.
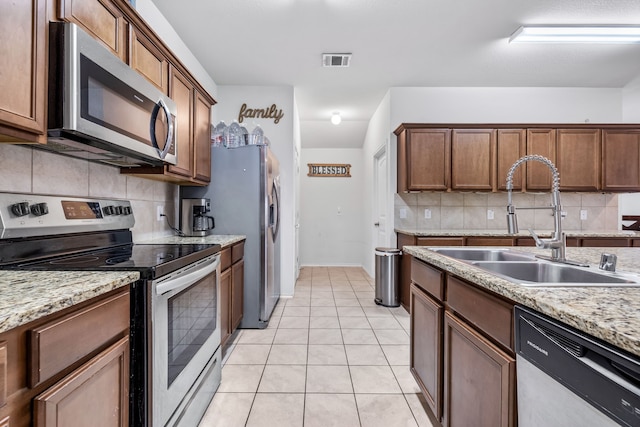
[[335, 118], [576, 34]]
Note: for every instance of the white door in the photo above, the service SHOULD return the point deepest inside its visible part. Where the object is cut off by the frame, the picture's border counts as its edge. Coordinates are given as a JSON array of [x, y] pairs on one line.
[[380, 202]]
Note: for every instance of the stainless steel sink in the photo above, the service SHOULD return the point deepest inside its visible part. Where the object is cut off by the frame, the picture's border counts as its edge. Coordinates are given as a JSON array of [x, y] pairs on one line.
[[483, 254], [550, 274]]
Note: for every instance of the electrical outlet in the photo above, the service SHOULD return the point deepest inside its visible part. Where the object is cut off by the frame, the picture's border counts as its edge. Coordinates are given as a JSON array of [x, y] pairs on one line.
[[427, 214], [583, 214], [339, 210], [490, 214], [159, 213], [403, 213]]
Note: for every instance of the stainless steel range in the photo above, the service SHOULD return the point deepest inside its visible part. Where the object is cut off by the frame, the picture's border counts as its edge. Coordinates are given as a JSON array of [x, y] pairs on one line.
[[175, 316]]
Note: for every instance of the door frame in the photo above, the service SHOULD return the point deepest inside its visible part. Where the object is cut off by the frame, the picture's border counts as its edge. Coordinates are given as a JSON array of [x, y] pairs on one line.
[[381, 151]]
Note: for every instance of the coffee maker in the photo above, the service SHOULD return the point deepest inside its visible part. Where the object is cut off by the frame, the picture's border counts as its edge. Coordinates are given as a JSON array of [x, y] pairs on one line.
[[193, 218]]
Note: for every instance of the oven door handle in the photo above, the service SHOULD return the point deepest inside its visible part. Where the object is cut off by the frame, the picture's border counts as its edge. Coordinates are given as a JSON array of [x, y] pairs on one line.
[[182, 282]]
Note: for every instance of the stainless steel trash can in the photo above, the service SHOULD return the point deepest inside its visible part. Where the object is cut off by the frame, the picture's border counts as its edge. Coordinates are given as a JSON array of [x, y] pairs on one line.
[[387, 268]]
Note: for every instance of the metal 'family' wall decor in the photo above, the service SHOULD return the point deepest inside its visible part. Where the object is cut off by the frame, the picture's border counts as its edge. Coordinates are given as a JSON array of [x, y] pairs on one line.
[[272, 112], [329, 170]]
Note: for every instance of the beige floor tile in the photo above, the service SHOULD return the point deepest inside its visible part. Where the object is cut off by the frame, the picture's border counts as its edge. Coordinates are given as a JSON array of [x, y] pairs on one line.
[[384, 410], [397, 354], [374, 379], [334, 410], [347, 302], [321, 294], [377, 311], [365, 355], [324, 322], [257, 336], [350, 311], [344, 294], [283, 379], [287, 354], [277, 410], [354, 323], [325, 336], [228, 410], [294, 322], [391, 336], [299, 301], [405, 322], [249, 354], [418, 406], [273, 322], [322, 302], [359, 336], [327, 354], [367, 301], [240, 378], [328, 379], [365, 295], [405, 379], [295, 311], [384, 323], [291, 336], [399, 312], [323, 311]]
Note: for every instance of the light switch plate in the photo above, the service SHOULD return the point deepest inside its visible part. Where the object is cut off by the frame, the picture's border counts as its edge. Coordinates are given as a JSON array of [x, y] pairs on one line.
[[583, 214], [490, 214], [403, 213], [427, 214]]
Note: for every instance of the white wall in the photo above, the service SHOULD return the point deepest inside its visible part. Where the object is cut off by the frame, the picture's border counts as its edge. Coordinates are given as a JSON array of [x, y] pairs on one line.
[[331, 210], [281, 136]]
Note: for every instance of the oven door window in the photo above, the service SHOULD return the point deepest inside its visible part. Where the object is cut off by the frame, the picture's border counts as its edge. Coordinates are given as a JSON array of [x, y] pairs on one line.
[[191, 321]]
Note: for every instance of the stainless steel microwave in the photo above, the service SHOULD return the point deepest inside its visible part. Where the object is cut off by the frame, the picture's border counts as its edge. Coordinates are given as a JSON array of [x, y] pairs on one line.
[[102, 110]]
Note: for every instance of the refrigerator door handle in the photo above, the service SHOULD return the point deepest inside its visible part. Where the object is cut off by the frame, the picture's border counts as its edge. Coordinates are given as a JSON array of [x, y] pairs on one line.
[[274, 208]]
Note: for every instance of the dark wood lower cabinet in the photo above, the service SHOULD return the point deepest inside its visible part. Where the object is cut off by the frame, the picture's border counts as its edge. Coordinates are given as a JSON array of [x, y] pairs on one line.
[[96, 394], [231, 289], [426, 347], [225, 297], [479, 379], [237, 293]]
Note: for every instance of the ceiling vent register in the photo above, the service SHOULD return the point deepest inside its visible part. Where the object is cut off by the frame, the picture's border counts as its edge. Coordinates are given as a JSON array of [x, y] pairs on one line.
[[336, 59]]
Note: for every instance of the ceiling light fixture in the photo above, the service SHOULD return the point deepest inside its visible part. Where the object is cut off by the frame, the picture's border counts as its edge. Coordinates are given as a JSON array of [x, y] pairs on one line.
[[335, 118], [576, 34]]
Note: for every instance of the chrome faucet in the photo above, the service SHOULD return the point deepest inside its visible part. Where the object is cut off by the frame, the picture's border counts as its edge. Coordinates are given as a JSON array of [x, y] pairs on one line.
[[558, 241]]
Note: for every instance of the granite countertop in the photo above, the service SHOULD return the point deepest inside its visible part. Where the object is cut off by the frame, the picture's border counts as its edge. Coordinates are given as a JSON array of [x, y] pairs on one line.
[[503, 233], [30, 295], [609, 313], [222, 239]]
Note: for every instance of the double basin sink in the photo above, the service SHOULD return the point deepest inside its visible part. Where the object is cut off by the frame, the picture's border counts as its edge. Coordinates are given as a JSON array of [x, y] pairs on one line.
[[527, 270]]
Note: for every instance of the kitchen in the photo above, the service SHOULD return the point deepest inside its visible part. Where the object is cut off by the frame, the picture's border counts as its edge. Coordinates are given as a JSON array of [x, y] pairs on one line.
[[33, 171]]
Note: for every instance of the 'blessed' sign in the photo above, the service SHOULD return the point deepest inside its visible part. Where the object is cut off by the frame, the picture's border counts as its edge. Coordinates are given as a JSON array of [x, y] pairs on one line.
[[329, 170]]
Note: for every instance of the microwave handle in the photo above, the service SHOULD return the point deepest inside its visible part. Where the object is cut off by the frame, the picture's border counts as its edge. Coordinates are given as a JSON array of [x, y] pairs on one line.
[[152, 128]]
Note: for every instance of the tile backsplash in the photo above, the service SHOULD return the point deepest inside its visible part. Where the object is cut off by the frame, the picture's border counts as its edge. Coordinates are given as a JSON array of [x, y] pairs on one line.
[[471, 211], [27, 170]]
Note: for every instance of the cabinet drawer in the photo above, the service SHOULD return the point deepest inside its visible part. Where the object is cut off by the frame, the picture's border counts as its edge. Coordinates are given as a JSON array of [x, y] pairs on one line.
[[225, 259], [428, 278], [489, 241], [58, 344], [488, 313], [237, 252], [440, 241], [3, 373]]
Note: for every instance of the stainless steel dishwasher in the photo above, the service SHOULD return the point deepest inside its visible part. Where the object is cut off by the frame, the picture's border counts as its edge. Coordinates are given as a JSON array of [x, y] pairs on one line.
[[568, 378]]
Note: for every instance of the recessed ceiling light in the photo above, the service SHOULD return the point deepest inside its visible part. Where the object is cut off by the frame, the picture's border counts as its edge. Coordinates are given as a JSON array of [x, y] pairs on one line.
[[335, 118], [576, 34]]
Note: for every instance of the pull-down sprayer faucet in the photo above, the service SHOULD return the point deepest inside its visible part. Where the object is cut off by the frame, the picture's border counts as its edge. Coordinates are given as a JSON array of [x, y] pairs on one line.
[[558, 242]]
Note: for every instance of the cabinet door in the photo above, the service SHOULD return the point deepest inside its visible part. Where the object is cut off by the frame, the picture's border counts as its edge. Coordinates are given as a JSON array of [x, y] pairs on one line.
[[511, 145], [202, 139], [225, 305], [23, 71], [473, 159], [479, 379], [578, 159], [428, 154], [181, 91], [147, 60], [542, 142], [426, 347], [620, 160], [101, 19], [404, 278], [96, 394], [237, 294]]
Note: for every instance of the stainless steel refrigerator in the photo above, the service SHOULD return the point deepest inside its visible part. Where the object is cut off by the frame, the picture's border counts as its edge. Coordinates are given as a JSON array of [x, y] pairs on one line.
[[245, 199]]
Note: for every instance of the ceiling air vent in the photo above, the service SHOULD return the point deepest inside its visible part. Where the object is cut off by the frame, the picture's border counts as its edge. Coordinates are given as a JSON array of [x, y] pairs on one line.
[[336, 59]]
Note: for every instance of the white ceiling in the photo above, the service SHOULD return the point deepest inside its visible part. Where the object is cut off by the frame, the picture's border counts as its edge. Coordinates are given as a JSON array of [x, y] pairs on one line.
[[394, 43]]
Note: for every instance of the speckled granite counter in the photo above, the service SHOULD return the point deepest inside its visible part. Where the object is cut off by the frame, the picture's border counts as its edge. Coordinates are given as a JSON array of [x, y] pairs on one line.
[[503, 233], [29, 295], [223, 239], [612, 314]]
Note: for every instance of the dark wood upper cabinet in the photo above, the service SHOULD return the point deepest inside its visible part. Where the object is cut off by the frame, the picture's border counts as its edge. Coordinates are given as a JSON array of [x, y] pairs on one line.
[[473, 159], [578, 159], [621, 160], [542, 142], [149, 61], [426, 161], [511, 145]]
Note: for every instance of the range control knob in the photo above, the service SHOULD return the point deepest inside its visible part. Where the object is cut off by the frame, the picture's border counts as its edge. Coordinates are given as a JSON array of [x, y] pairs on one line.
[[118, 210], [108, 210], [39, 209], [126, 210], [20, 209]]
